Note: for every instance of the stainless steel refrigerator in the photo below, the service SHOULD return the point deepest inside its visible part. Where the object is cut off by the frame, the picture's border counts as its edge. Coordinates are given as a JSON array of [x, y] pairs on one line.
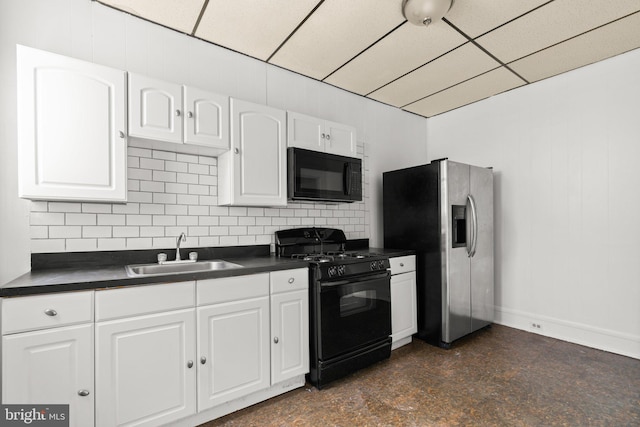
[[444, 211]]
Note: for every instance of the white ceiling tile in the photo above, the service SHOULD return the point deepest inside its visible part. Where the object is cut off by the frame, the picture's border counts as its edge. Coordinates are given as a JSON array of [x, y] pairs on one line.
[[405, 49], [484, 86], [551, 24], [180, 15], [463, 63], [613, 39], [476, 17], [253, 27], [336, 32]]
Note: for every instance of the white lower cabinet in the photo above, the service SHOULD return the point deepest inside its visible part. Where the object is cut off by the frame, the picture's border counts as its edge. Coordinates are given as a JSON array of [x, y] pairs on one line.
[[289, 324], [145, 373], [168, 354], [233, 350], [52, 366], [404, 317], [47, 352]]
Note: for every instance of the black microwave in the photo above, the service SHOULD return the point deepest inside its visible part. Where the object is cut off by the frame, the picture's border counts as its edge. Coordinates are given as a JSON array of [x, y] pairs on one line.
[[317, 176]]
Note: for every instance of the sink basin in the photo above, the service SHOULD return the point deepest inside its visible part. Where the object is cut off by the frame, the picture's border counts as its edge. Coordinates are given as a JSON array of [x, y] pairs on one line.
[[170, 268]]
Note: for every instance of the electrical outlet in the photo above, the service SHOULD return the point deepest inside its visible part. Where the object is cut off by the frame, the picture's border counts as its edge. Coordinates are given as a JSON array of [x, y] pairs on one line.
[[536, 326]]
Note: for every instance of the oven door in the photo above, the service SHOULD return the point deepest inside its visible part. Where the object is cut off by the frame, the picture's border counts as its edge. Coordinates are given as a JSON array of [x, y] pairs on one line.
[[313, 175], [353, 313]]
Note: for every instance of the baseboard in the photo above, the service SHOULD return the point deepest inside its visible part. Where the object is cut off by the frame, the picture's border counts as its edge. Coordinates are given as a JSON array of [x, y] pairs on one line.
[[589, 336]]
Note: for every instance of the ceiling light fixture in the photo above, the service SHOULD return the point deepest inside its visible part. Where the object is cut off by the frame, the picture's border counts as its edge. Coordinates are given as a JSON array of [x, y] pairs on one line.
[[425, 12]]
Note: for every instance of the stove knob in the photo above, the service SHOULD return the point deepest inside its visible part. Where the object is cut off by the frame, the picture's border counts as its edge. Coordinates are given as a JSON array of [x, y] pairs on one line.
[[373, 265], [381, 264], [341, 270], [331, 271]]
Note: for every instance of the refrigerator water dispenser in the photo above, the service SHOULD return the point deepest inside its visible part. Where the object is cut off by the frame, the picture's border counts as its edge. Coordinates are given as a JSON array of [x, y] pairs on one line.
[[459, 226]]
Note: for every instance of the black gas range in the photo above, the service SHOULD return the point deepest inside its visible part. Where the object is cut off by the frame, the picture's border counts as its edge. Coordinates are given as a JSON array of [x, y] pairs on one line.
[[349, 302]]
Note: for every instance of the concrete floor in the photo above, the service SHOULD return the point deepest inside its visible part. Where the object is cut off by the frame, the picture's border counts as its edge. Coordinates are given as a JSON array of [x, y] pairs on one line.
[[495, 377]]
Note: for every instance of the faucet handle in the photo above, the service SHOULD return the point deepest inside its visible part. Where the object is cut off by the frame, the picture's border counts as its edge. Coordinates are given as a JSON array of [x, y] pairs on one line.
[[193, 256], [162, 257]]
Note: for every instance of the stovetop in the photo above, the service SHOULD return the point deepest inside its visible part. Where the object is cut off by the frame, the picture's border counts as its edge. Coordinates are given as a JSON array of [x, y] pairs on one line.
[[324, 248]]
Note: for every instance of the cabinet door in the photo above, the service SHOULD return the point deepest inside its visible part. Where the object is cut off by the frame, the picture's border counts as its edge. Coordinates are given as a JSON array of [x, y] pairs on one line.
[[155, 109], [289, 335], [404, 319], [340, 139], [207, 118], [71, 128], [254, 172], [233, 350], [305, 132], [51, 367], [145, 369]]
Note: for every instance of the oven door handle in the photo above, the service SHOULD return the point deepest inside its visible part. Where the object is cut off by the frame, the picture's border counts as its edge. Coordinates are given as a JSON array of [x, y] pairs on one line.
[[382, 275]]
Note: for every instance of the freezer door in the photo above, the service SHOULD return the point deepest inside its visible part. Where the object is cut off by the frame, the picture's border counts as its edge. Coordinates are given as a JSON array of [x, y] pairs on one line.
[[456, 291], [482, 276]]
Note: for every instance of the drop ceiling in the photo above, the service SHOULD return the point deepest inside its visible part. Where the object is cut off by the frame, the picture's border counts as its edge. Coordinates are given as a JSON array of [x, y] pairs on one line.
[[481, 48]]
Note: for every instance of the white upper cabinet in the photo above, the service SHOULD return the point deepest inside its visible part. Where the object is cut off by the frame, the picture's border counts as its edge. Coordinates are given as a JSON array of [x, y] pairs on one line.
[[320, 135], [169, 112], [207, 118], [155, 109], [71, 128], [253, 172]]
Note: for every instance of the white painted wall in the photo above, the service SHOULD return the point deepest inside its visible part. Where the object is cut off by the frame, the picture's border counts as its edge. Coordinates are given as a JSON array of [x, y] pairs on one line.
[[90, 31], [566, 154]]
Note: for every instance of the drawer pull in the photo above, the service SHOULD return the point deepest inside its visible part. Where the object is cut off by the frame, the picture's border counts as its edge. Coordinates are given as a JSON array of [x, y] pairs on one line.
[[83, 393], [402, 264], [50, 312], [291, 280]]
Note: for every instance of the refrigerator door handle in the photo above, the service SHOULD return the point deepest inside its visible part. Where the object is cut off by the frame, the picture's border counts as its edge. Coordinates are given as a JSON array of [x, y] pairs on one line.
[[474, 226]]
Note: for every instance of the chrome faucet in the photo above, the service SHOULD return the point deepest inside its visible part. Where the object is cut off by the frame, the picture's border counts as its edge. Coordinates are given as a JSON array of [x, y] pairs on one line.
[[181, 238]]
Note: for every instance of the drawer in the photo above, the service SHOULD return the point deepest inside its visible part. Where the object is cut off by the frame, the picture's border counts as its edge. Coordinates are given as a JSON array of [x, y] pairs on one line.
[[139, 300], [289, 280], [21, 314], [403, 264], [214, 291]]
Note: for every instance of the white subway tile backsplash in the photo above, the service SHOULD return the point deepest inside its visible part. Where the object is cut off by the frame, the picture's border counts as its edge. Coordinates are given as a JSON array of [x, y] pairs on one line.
[[64, 207], [96, 208], [151, 164], [81, 245], [111, 219], [126, 232], [65, 232], [139, 219], [171, 193], [96, 231], [164, 176], [80, 219]]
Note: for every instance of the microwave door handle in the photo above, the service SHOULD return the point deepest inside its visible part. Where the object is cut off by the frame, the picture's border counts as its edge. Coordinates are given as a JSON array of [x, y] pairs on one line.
[[347, 178]]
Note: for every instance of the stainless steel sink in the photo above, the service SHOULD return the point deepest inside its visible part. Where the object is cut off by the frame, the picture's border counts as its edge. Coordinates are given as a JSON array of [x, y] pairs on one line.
[[177, 268]]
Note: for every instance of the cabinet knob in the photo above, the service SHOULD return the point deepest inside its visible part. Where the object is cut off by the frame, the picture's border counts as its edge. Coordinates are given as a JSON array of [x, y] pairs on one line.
[[235, 150], [178, 113], [190, 364], [50, 312], [328, 137], [402, 264], [291, 279], [83, 393], [275, 340], [190, 114], [203, 360], [323, 136], [121, 134]]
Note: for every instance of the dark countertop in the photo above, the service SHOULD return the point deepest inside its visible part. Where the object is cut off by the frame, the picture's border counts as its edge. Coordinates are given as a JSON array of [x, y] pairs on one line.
[[89, 277]]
